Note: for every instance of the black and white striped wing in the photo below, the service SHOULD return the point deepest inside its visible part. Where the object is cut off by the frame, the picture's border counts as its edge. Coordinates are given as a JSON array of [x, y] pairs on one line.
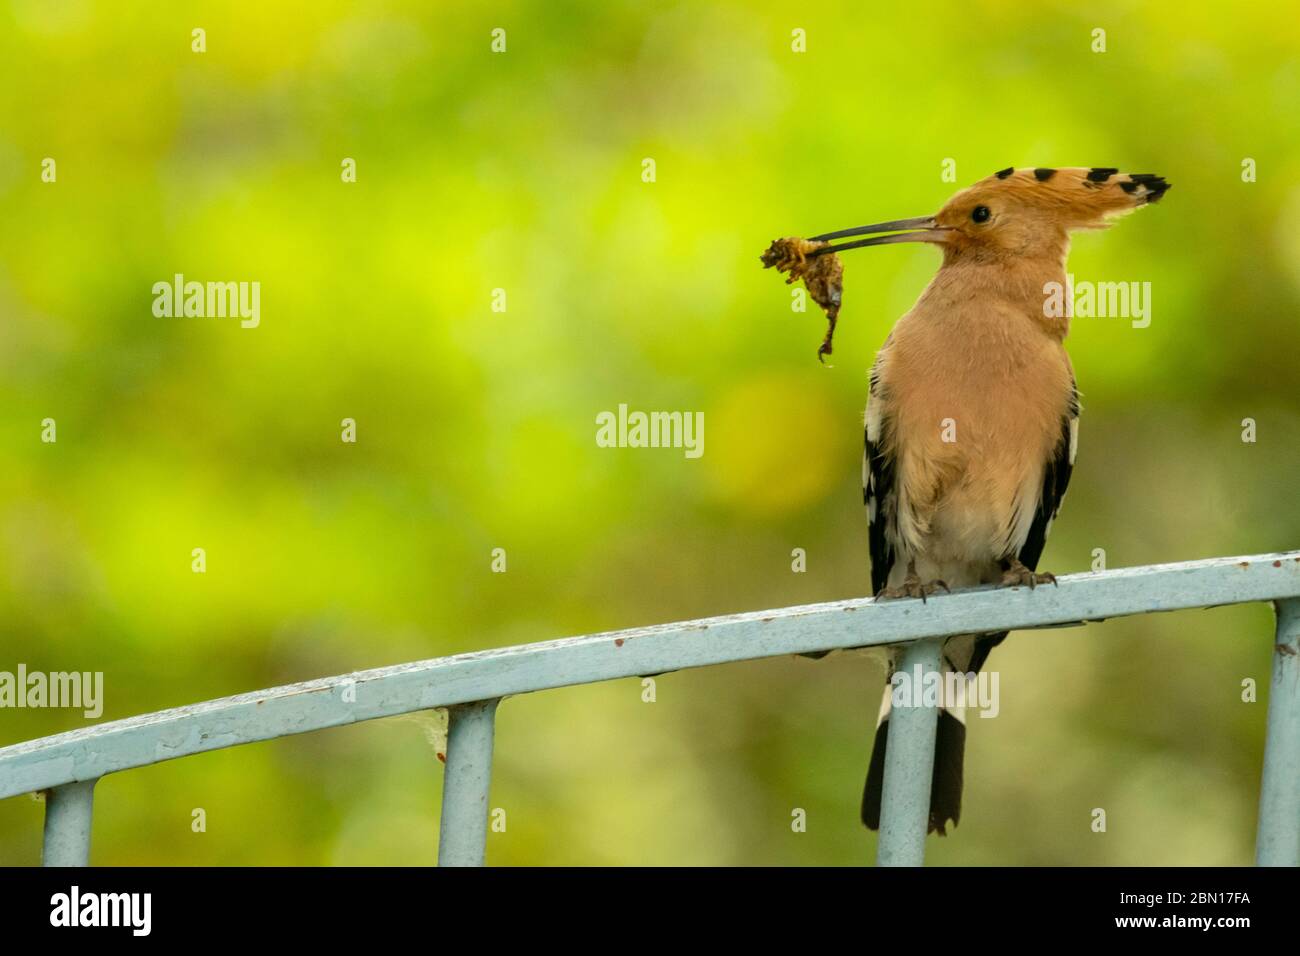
[[879, 492], [1056, 478]]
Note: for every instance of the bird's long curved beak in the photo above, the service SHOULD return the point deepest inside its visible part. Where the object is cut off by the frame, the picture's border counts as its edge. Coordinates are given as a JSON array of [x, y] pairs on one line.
[[921, 229]]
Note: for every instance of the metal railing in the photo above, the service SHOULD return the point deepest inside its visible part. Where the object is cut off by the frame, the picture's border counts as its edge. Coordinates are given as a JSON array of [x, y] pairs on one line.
[[67, 766]]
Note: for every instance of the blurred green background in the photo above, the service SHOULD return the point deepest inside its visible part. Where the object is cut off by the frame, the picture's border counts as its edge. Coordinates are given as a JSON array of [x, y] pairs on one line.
[[476, 429]]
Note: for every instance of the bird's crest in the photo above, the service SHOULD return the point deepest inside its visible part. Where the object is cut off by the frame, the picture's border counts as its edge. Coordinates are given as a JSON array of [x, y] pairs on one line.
[[1077, 197]]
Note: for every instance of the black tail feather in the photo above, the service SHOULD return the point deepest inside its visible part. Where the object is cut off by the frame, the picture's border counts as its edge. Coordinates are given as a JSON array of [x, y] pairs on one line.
[[871, 793], [945, 785]]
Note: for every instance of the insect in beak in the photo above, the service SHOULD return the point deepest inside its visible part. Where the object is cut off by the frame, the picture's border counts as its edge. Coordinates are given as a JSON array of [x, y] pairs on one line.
[[922, 229]]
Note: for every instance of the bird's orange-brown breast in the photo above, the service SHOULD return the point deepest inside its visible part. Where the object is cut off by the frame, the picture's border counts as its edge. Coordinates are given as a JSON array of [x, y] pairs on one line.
[[976, 389]]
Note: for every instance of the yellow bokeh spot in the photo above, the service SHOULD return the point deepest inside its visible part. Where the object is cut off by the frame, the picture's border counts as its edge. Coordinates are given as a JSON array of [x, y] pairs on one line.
[[776, 443]]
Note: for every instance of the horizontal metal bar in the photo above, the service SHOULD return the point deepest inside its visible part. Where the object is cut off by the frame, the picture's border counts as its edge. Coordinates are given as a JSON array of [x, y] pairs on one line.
[[387, 691]]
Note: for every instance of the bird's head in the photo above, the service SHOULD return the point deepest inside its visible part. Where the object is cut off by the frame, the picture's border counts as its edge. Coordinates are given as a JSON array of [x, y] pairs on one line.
[[1017, 214]]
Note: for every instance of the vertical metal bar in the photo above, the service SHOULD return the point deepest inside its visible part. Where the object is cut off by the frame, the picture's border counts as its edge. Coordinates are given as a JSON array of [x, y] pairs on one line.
[[67, 824], [1278, 840], [462, 840], [909, 761]]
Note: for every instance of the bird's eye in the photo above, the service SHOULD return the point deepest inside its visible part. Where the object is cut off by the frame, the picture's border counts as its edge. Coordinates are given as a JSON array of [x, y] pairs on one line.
[[980, 214]]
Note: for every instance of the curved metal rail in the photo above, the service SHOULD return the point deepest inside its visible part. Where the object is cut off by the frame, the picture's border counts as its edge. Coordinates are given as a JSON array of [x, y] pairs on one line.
[[67, 765]]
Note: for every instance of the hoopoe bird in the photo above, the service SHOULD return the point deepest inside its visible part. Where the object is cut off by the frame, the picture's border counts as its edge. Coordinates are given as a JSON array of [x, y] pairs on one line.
[[972, 420]]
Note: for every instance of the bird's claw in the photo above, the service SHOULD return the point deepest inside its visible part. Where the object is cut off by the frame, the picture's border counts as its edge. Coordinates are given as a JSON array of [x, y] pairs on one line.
[[912, 587], [1017, 575]]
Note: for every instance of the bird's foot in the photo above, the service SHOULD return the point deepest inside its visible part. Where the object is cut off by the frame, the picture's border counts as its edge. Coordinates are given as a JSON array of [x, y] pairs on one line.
[[914, 587], [1017, 575]]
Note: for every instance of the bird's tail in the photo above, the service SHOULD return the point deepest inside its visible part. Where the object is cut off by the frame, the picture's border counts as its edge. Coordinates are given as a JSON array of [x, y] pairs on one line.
[[945, 785]]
